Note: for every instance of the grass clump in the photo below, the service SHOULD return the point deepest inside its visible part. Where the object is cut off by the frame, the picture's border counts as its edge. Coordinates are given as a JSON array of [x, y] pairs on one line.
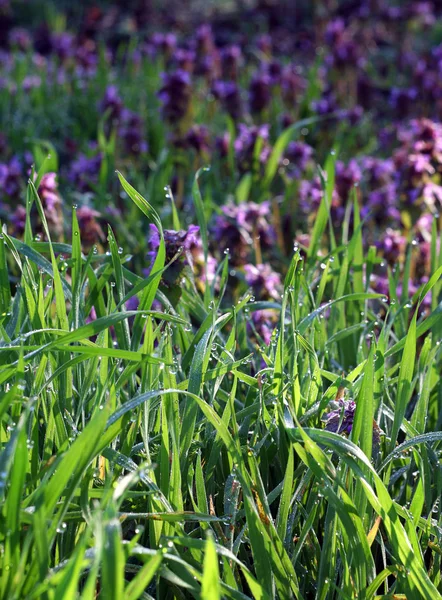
[[167, 451]]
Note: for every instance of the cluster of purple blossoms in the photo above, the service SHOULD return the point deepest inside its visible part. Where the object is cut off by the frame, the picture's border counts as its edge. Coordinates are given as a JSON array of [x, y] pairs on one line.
[[264, 281], [418, 163], [341, 417], [310, 196], [17, 219], [51, 202], [344, 52], [293, 86], [392, 246], [128, 123], [20, 39], [244, 146], [259, 92], [111, 103], [91, 230], [176, 242], [131, 132], [84, 172], [240, 227], [196, 138], [228, 93], [346, 177], [263, 323], [11, 178], [175, 95], [185, 249], [231, 62], [326, 104], [298, 159], [164, 44], [380, 198]]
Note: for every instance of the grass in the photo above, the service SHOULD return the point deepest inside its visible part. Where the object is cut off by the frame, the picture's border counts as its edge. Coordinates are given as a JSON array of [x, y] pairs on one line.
[[164, 454]]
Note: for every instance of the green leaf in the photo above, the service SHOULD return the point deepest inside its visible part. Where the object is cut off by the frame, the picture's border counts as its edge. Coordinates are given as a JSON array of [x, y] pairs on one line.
[[210, 585]]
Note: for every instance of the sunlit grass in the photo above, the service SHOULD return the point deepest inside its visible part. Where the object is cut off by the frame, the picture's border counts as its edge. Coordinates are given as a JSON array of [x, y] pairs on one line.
[[165, 454]]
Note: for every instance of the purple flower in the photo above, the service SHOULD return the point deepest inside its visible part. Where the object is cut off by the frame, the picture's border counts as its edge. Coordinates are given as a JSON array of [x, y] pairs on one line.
[[18, 221], [90, 229], [176, 242], [292, 86], [11, 178], [86, 58], [264, 281], [380, 284], [424, 227], [165, 43], [185, 59], [256, 220], [92, 316], [275, 71], [382, 205], [325, 105], [63, 45], [264, 44], [340, 418], [228, 93], [48, 191], [343, 50], [111, 103], [51, 201], [352, 115], [244, 146], [231, 61], [231, 239], [239, 226], [346, 176], [392, 246], [378, 171], [310, 196], [205, 43], [198, 138], [175, 95], [300, 157], [133, 303], [31, 82], [84, 171], [263, 323], [20, 38], [259, 92], [131, 132], [402, 100]]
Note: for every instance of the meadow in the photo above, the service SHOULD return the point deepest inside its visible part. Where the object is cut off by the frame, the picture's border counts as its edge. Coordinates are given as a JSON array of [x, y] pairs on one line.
[[220, 300]]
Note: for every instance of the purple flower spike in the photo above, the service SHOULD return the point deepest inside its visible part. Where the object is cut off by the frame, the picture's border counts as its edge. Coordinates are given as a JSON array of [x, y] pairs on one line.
[[227, 92], [264, 281], [11, 178], [263, 323], [259, 92], [84, 172], [244, 146], [177, 242], [175, 95], [112, 102], [341, 417], [18, 221], [90, 228]]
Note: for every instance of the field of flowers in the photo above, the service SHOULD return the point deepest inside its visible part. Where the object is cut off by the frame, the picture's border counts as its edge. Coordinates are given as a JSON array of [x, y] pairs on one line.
[[220, 299]]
